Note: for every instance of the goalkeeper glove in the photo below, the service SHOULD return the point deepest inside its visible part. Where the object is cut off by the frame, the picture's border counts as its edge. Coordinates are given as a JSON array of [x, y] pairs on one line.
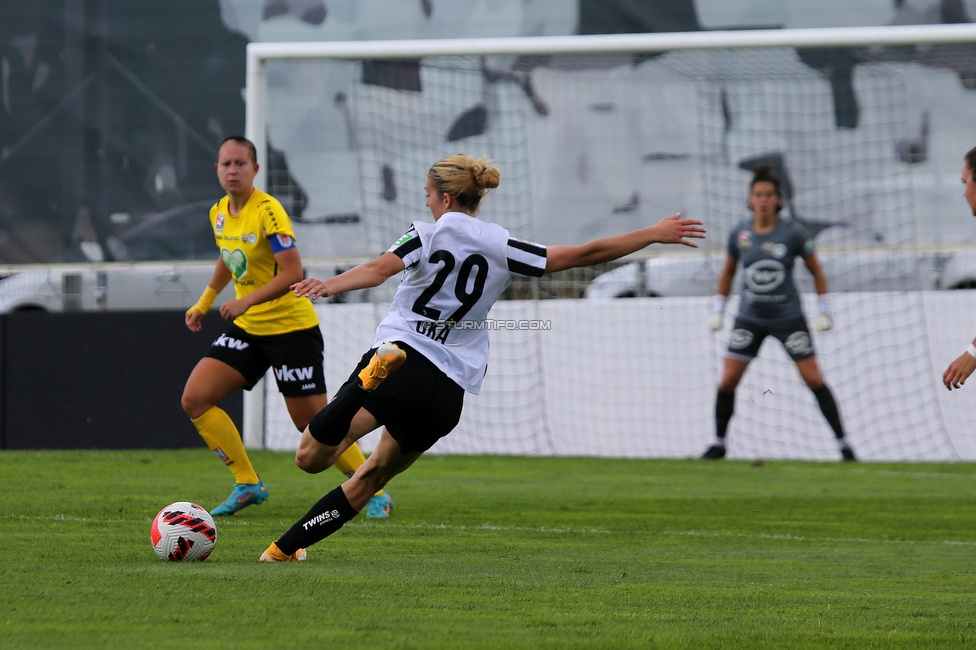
[[718, 309], [823, 321]]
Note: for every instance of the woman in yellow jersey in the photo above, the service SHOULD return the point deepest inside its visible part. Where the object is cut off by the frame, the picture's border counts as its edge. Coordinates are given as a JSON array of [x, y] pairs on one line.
[[272, 327]]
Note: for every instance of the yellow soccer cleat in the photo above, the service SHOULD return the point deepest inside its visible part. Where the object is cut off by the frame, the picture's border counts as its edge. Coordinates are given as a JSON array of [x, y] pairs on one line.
[[273, 554], [387, 358]]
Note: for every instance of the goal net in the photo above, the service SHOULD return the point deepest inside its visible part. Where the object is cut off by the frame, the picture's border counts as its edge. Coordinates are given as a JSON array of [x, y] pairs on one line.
[[599, 135]]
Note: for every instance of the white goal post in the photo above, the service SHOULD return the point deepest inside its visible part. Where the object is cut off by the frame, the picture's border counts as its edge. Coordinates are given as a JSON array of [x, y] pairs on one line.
[[258, 54], [763, 110]]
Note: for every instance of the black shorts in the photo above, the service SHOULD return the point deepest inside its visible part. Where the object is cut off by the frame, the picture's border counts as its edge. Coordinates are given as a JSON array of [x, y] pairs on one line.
[[418, 404], [747, 335], [295, 356]]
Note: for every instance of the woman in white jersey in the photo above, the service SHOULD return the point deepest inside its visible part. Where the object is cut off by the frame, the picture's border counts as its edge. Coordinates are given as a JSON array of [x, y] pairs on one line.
[[766, 246], [453, 272]]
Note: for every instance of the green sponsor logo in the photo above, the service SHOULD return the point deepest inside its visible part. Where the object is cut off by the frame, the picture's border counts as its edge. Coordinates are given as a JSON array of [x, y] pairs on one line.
[[403, 240], [235, 260]]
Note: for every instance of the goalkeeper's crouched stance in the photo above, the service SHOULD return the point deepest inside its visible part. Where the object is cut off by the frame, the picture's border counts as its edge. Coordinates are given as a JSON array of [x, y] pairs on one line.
[[770, 306]]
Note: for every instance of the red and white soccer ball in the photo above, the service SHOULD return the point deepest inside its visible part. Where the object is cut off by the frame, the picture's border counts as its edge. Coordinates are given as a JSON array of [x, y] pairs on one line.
[[183, 532]]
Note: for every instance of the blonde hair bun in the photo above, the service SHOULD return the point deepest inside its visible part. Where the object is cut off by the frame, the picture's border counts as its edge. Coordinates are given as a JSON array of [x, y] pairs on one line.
[[485, 173], [465, 178]]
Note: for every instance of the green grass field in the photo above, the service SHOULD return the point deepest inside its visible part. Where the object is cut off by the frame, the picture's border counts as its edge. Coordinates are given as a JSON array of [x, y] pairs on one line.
[[497, 552]]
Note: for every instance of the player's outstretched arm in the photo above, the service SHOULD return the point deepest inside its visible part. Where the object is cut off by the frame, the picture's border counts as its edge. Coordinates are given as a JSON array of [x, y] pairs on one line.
[[366, 275], [959, 370], [670, 230]]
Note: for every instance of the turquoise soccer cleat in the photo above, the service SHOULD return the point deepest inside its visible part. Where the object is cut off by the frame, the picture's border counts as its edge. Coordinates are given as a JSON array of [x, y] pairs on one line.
[[241, 497], [379, 507]]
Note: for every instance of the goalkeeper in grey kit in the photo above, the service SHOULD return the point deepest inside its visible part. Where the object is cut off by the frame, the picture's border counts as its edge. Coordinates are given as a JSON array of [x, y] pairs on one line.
[[770, 304]]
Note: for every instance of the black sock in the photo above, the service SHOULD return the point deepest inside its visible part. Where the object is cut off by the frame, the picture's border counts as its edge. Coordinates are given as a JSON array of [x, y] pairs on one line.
[[331, 424], [724, 406], [326, 517], [829, 407]]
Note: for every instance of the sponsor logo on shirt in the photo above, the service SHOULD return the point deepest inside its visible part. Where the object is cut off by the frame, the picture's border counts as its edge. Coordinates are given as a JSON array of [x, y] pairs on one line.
[[219, 222], [405, 238], [764, 276], [235, 260]]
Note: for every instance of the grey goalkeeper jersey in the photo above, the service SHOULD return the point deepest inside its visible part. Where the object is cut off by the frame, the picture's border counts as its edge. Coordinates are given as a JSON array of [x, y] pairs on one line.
[[768, 291]]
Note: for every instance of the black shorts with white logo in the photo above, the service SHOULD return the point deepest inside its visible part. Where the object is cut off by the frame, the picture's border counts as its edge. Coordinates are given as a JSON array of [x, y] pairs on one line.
[[418, 404], [296, 358], [747, 335]]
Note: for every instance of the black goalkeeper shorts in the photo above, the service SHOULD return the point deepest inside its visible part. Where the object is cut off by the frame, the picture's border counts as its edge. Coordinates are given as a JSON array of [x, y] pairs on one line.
[[747, 335]]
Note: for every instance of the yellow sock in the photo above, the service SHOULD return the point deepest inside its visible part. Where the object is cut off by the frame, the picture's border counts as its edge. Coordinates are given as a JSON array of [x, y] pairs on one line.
[[350, 460], [218, 431]]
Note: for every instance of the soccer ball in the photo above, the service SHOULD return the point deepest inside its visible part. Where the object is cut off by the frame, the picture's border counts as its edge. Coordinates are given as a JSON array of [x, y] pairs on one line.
[[183, 532]]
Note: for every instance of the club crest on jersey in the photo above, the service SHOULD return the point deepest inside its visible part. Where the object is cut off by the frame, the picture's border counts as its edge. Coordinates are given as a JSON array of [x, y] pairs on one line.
[[745, 239], [219, 222], [249, 238]]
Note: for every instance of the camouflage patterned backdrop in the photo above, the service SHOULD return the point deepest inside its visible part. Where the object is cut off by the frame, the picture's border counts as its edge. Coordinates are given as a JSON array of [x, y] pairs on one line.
[[111, 110]]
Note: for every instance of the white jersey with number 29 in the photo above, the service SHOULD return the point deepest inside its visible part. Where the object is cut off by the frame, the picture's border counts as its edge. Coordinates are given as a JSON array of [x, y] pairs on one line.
[[456, 268]]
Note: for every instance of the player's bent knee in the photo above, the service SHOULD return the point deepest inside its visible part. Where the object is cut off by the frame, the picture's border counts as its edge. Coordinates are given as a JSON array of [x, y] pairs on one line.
[[193, 406], [312, 461]]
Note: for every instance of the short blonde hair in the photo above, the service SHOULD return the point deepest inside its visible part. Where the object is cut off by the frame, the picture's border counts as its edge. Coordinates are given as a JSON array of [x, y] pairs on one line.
[[465, 178]]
